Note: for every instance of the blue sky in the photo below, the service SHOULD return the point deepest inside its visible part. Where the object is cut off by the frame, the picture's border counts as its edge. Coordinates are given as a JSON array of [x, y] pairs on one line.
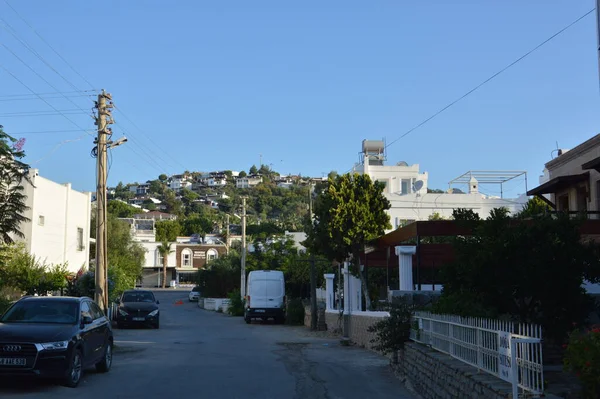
[[212, 85]]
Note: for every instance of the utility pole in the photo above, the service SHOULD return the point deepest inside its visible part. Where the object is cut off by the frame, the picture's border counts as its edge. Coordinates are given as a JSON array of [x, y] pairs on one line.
[[103, 119], [227, 234], [243, 271], [313, 272]]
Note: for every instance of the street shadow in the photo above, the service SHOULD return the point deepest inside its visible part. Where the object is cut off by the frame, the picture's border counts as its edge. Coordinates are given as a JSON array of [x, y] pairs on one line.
[[24, 385]]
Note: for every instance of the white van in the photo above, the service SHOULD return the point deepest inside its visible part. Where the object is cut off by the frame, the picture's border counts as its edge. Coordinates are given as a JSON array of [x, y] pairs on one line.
[[265, 296]]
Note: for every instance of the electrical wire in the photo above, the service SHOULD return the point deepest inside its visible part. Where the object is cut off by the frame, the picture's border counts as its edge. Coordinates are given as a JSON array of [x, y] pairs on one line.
[[41, 98], [490, 78], [15, 134], [48, 44], [81, 76], [38, 75]]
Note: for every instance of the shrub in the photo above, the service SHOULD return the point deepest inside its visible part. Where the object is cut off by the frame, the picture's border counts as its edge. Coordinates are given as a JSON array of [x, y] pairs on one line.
[[236, 306], [392, 332], [582, 356], [295, 312]]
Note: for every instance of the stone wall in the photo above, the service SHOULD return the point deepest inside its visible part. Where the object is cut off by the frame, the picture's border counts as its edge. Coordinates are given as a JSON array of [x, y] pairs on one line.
[[435, 375]]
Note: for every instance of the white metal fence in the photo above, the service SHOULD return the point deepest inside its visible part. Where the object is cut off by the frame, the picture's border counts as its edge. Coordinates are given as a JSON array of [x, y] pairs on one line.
[[508, 350]]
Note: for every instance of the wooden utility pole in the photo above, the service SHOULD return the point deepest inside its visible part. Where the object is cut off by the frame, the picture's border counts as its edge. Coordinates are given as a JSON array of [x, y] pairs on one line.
[[103, 119], [243, 271], [313, 272], [227, 234]]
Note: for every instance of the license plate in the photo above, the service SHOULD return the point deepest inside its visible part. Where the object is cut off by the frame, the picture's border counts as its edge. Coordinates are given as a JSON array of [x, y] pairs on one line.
[[9, 361], [139, 319], [260, 311]]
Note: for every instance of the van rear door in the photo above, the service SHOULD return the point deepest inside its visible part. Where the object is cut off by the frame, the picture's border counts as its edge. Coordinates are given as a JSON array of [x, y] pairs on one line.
[[258, 288], [274, 290]]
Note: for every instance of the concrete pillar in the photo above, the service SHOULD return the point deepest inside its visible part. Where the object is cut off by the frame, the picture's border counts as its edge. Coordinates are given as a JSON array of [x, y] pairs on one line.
[[329, 293], [405, 254]]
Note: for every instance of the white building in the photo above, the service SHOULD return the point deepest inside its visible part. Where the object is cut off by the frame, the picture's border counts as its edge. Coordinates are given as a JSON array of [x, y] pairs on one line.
[[248, 181], [58, 230], [179, 182], [152, 271], [406, 189]]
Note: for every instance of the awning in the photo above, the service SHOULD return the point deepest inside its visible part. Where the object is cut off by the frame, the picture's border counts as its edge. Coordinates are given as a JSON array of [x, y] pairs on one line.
[[559, 183], [593, 164]]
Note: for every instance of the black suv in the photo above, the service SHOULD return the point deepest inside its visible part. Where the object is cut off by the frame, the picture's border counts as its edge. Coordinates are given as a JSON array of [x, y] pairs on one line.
[[54, 337], [138, 307]]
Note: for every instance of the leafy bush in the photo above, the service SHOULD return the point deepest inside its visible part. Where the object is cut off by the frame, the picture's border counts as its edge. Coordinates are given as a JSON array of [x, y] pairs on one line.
[[295, 312], [392, 332], [582, 356], [236, 306]]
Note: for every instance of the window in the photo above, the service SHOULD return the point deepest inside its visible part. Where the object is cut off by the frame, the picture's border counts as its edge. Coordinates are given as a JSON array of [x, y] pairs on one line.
[[405, 186], [41, 220], [80, 246], [212, 254], [85, 311], [96, 311], [186, 258]]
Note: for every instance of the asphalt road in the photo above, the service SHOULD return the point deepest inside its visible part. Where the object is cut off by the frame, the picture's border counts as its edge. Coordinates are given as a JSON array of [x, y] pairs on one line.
[[203, 354]]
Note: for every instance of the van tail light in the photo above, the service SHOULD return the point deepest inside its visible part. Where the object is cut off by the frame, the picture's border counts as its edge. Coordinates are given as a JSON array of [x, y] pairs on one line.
[[247, 301]]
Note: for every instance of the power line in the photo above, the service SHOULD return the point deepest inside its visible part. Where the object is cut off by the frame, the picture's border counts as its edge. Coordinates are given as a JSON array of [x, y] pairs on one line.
[[48, 44], [41, 98], [51, 93], [147, 136], [12, 31], [38, 75], [15, 134], [491, 77]]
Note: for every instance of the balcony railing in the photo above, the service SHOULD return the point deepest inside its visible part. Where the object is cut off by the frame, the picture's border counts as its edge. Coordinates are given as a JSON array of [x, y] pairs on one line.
[[591, 215]]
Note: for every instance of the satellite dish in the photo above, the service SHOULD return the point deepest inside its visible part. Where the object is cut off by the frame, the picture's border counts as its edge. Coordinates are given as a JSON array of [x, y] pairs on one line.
[[418, 185], [402, 163]]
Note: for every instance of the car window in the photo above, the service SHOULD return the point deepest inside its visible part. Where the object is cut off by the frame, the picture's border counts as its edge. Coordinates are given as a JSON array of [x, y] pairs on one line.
[[85, 311], [138, 297], [42, 311], [96, 311]]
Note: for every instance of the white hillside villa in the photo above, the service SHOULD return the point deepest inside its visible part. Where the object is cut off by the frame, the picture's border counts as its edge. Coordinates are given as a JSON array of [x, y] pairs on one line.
[[406, 188]]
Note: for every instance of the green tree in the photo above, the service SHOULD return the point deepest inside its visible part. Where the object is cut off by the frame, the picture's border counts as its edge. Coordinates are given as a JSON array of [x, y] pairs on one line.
[[167, 230], [157, 187], [122, 192], [253, 170], [198, 225], [174, 205], [165, 249], [347, 215], [125, 256], [121, 209], [221, 276], [13, 173], [243, 174], [516, 269], [534, 207], [163, 178]]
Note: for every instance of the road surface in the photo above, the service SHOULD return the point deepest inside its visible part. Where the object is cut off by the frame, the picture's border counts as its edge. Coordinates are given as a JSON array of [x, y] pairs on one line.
[[203, 354]]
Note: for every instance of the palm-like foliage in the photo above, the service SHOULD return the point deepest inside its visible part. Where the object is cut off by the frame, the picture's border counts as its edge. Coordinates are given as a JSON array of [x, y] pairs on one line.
[[165, 249]]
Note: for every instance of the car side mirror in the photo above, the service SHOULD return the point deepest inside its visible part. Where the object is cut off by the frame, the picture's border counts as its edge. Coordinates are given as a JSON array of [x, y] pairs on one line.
[[86, 320], [157, 302]]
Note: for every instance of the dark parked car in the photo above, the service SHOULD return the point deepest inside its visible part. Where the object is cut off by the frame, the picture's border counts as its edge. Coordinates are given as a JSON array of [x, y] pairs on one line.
[[138, 307], [54, 337]]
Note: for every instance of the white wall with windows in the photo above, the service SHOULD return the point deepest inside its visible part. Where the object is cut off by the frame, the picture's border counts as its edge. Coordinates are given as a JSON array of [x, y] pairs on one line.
[[153, 258], [59, 226]]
